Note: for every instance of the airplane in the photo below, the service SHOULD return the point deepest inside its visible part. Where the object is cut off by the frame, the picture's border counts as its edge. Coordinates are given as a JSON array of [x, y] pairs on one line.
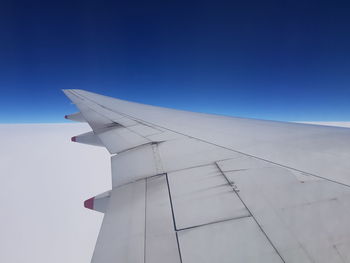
[[199, 188]]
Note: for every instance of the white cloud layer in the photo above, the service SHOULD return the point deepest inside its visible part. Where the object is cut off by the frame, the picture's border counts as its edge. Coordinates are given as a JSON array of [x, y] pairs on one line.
[[44, 179], [345, 124]]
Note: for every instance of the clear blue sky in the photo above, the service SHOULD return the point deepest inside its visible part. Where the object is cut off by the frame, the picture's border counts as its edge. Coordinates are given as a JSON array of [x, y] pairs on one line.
[[283, 60]]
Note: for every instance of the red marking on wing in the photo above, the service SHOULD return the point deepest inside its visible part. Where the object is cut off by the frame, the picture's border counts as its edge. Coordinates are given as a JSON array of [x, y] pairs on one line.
[[89, 203]]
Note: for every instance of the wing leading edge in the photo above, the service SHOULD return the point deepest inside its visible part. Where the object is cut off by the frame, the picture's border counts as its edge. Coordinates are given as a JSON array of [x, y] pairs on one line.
[[180, 196]]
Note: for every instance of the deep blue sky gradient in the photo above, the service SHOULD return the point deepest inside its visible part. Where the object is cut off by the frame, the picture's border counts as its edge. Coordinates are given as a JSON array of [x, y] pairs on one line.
[[282, 60]]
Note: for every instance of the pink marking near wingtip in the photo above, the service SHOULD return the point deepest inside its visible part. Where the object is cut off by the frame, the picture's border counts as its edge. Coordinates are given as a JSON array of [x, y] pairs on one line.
[[89, 203]]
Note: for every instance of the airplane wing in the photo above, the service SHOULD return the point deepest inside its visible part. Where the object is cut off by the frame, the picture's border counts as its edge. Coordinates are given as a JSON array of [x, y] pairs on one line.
[[195, 188]]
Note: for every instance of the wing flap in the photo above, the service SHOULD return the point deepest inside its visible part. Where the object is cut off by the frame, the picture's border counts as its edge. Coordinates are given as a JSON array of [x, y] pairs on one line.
[[118, 139], [138, 225], [237, 240], [158, 157], [161, 238], [201, 195], [121, 238], [124, 169]]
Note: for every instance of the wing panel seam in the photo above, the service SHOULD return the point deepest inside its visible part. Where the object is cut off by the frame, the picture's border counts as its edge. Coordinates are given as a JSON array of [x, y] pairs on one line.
[[251, 214], [173, 216]]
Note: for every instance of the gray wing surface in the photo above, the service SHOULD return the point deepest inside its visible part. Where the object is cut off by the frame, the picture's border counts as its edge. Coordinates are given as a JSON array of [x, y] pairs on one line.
[[192, 187]]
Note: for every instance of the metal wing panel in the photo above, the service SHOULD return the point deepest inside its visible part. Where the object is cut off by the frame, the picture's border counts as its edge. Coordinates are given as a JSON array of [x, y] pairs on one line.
[[157, 158], [122, 234], [138, 225], [161, 238], [202, 196], [134, 164], [95, 120], [307, 220], [118, 139], [189, 152], [238, 240], [145, 130], [326, 148]]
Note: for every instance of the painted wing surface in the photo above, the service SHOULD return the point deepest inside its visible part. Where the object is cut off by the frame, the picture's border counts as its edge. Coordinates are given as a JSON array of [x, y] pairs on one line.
[[191, 187]]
